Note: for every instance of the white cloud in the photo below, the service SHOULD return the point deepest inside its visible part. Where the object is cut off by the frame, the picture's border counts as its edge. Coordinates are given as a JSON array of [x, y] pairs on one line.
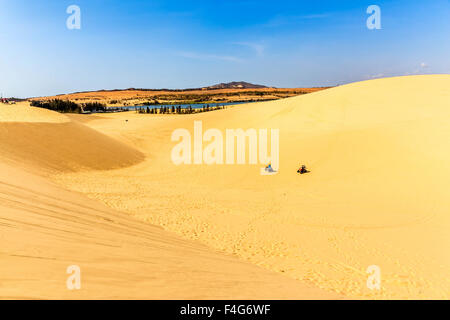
[[422, 66], [314, 16], [280, 20], [201, 56], [258, 48]]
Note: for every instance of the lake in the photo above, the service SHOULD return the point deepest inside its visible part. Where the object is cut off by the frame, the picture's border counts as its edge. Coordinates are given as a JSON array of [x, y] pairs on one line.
[[183, 106]]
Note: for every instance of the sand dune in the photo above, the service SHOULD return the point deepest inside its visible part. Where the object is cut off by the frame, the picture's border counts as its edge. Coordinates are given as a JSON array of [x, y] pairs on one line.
[[378, 192], [44, 228], [52, 142], [377, 195], [22, 112], [64, 147]]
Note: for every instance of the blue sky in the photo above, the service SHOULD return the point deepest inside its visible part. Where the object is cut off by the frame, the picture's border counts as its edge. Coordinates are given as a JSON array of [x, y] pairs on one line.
[[185, 44]]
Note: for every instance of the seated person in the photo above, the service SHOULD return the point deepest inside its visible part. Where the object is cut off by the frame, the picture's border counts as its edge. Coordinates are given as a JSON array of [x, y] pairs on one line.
[[302, 170]]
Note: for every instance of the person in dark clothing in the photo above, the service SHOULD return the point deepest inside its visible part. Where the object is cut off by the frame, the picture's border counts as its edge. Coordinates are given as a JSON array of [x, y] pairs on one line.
[[302, 170]]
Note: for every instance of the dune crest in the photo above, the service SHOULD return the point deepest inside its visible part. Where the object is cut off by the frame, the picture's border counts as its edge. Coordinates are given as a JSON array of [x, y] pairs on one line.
[[52, 142], [22, 112]]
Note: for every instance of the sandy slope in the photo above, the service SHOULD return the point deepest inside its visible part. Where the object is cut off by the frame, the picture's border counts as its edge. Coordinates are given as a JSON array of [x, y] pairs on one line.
[[22, 112], [64, 147], [44, 229], [378, 193]]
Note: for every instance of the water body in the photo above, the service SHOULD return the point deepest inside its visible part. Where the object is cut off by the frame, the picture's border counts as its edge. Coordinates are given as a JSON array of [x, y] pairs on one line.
[[184, 106]]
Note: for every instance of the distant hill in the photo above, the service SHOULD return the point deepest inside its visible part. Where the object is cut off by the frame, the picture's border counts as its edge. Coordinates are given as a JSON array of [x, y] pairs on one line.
[[235, 85]]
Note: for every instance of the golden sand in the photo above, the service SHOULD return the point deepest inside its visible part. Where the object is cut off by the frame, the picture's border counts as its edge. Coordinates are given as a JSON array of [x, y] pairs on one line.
[[22, 112], [44, 229], [378, 194]]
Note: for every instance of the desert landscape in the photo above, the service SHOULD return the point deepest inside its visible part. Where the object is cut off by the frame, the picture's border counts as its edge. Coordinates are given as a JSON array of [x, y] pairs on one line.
[[101, 191], [221, 93]]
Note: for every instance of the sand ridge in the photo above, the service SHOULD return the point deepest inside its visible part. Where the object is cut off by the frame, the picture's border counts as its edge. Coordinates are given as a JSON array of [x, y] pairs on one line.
[[60, 147], [22, 112], [53, 142]]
